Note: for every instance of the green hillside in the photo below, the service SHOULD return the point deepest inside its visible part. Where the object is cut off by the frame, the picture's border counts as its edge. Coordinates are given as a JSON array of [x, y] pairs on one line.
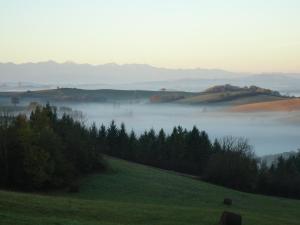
[[79, 95], [134, 194], [221, 94]]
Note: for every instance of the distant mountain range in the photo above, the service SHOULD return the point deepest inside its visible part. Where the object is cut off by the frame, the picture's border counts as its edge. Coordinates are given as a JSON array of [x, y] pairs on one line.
[[44, 75]]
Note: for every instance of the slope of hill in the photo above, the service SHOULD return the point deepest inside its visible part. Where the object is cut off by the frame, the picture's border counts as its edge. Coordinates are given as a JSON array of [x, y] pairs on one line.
[[134, 194], [79, 95], [273, 106], [233, 95], [221, 94]]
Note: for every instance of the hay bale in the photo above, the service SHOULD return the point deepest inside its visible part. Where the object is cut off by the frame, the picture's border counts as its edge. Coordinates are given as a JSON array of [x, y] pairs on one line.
[[227, 201], [229, 218]]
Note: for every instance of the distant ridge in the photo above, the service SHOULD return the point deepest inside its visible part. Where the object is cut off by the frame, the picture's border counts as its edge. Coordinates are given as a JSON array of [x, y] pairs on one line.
[[136, 76], [107, 73]]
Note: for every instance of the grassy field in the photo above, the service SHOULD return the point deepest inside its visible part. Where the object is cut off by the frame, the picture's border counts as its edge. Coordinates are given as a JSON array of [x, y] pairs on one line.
[[132, 194], [230, 98]]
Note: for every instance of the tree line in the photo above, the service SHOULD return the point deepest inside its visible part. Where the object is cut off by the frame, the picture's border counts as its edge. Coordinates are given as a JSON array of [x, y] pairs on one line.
[[44, 151], [229, 161]]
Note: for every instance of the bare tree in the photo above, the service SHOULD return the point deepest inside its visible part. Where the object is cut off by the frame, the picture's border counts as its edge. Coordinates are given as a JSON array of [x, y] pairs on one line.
[[237, 144]]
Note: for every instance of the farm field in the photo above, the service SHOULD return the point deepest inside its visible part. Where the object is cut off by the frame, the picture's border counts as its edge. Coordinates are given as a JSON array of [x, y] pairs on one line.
[[132, 194]]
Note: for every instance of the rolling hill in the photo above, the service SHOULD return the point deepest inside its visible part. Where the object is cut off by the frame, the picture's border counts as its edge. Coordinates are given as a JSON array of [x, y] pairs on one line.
[[81, 95], [226, 95], [132, 194], [233, 95]]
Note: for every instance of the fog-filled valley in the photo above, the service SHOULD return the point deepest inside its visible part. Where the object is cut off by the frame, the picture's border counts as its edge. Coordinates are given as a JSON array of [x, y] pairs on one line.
[[269, 133], [150, 112], [221, 110]]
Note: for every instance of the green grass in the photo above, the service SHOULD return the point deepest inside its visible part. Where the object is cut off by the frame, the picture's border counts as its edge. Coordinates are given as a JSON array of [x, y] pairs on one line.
[[132, 194]]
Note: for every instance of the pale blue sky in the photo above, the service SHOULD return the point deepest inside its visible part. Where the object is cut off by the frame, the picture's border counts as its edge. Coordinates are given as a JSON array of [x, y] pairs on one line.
[[238, 35]]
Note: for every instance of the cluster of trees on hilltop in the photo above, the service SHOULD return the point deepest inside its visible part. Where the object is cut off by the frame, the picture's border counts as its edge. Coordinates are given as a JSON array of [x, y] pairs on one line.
[[44, 151], [231, 88]]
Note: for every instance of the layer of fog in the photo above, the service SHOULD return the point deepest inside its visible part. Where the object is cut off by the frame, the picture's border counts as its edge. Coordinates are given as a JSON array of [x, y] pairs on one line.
[[269, 133]]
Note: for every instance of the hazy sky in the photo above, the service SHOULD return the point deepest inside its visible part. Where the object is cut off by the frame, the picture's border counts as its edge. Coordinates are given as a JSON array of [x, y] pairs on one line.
[[237, 35]]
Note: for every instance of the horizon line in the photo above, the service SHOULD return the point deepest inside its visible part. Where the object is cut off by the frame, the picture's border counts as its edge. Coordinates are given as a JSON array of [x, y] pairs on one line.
[[149, 65]]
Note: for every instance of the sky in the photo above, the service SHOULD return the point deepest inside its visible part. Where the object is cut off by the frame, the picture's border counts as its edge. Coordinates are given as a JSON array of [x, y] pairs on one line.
[[236, 35]]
